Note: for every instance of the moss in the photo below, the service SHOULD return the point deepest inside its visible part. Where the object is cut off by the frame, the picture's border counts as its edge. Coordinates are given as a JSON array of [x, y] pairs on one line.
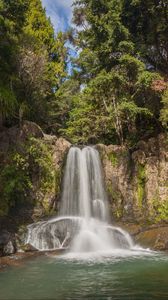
[[114, 195], [112, 157], [161, 209], [118, 213], [46, 206], [140, 194], [141, 179]]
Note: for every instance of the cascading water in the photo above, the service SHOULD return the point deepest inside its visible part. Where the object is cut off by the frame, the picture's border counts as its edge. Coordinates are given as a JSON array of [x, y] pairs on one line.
[[83, 222]]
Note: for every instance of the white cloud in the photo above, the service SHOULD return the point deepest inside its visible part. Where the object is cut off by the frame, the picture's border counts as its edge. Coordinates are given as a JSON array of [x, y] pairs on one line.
[[60, 12]]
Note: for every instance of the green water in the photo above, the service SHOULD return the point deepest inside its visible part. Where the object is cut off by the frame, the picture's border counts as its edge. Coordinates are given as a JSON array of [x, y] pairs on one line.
[[117, 277]]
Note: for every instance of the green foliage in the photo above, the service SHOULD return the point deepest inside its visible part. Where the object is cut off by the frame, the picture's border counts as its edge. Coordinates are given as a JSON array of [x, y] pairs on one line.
[[42, 63], [15, 183], [27, 171], [147, 22], [12, 17], [40, 159], [106, 110], [33, 62], [60, 108], [38, 26], [82, 122], [132, 66], [8, 101], [117, 89], [117, 71]]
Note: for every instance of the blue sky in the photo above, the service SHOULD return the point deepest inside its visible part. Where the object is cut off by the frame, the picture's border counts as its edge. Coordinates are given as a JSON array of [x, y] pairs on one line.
[[60, 12]]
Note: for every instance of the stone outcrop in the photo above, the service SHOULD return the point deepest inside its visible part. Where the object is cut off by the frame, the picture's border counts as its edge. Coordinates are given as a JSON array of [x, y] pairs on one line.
[[137, 180], [154, 238]]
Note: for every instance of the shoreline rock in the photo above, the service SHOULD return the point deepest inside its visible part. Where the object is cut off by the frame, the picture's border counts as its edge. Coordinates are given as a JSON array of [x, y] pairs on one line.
[[20, 258], [154, 236]]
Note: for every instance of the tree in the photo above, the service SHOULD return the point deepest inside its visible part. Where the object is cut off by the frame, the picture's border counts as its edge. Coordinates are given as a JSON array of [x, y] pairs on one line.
[[33, 62], [119, 86], [12, 18], [147, 21]]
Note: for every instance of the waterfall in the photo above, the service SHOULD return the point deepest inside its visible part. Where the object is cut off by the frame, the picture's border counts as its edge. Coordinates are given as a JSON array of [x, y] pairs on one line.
[[83, 187], [83, 221]]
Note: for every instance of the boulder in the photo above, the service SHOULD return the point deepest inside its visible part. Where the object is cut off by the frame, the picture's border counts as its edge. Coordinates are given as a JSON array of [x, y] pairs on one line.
[[31, 129], [61, 147], [29, 248], [154, 238]]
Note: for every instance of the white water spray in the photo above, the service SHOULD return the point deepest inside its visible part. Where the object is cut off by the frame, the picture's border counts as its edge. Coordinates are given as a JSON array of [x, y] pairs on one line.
[[83, 225]]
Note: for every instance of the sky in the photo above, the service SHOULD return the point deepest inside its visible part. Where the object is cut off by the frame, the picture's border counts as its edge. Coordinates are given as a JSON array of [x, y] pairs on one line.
[[60, 12]]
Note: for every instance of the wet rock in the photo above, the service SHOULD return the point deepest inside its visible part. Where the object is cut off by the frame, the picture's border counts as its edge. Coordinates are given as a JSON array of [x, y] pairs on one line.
[[154, 238], [7, 243], [61, 147], [9, 248], [29, 248], [132, 229]]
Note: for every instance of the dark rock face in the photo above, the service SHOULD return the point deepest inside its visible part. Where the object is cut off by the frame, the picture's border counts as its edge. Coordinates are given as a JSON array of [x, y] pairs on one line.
[[7, 243], [137, 180], [16, 135]]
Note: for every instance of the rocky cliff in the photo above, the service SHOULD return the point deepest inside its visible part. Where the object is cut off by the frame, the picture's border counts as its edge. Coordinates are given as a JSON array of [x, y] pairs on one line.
[[31, 171], [137, 180], [31, 166], [137, 184]]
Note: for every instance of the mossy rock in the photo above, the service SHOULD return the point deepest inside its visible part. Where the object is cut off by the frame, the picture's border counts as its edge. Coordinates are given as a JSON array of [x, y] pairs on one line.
[[112, 157], [141, 180]]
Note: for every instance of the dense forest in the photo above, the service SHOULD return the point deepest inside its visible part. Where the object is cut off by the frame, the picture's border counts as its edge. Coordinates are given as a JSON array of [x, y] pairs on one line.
[[116, 91], [33, 63]]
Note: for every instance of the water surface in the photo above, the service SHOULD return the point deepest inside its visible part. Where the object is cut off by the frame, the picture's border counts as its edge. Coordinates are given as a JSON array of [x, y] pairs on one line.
[[119, 276]]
